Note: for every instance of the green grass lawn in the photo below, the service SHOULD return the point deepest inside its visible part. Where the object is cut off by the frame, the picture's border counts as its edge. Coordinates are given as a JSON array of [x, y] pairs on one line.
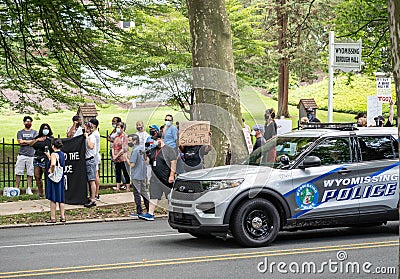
[[252, 102]]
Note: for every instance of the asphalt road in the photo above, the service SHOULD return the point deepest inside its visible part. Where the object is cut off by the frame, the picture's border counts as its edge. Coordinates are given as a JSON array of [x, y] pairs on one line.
[[140, 249]]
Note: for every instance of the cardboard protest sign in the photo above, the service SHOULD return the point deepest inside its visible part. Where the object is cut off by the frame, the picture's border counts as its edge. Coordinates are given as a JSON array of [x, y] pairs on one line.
[[194, 133]]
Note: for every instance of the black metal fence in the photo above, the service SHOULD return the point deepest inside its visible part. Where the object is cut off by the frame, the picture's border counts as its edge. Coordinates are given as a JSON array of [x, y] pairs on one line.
[[8, 158]]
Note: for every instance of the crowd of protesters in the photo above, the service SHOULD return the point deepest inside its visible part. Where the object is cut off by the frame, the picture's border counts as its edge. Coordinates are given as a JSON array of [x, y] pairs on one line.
[[150, 167]]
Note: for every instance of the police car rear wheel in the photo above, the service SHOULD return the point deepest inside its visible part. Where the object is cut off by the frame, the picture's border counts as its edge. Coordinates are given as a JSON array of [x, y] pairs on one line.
[[255, 223]]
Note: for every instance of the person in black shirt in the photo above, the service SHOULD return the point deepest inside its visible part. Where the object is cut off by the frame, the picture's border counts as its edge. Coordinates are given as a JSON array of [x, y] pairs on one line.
[[270, 127], [260, 140], [380, 120], [41, 144], [162, 160]]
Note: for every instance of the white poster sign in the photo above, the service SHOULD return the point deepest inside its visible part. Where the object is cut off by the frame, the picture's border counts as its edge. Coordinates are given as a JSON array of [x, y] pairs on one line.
[[374, 109], [247, 138], [284, 126], [384, 89]]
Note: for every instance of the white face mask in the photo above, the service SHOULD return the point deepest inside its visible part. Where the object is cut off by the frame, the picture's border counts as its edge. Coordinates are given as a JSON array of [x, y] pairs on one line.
[[114, 125], [168, 123], [118, 130], [45, 132], [253, 133]]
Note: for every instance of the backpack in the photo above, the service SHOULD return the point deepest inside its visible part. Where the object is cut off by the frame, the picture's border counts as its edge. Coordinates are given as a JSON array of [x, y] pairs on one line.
[[57, 173]]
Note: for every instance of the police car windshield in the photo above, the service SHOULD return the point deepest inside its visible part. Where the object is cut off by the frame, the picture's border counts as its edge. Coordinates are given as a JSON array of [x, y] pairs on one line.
[[271, 152]]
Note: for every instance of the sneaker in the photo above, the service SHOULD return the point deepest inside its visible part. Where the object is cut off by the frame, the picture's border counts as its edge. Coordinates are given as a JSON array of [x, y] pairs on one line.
[[90, 204], [98, 198], [29, 191], [147, 217], [134, 215]]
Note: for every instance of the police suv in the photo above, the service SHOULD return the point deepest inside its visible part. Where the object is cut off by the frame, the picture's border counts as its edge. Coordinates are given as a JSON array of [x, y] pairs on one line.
[[334, 175]]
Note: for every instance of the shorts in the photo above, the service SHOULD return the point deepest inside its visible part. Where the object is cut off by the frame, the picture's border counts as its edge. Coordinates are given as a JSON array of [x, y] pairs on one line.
[[157, 189], [24, 162], [91, 169], [36, 163]]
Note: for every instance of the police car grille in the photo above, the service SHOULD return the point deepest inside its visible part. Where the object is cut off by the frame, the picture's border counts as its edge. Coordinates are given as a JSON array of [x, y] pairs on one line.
[[185, 186], [183, 219], [176, 195]]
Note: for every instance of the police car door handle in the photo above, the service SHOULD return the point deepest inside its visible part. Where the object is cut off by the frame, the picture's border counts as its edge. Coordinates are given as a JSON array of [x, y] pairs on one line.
[[343, 171]]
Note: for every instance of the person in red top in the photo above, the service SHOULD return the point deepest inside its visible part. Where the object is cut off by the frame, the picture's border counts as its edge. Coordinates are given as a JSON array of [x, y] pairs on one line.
[[120, 156]]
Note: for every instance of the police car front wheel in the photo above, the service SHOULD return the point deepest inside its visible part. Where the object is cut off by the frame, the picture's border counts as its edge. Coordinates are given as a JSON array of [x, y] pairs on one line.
[[255, 223]]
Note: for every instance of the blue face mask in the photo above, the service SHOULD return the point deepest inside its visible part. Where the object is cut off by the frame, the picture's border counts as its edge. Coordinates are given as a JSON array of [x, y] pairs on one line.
[[45, 132]]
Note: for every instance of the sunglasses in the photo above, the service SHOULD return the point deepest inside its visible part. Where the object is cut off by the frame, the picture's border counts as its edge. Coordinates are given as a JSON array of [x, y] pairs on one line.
[[167, 119]]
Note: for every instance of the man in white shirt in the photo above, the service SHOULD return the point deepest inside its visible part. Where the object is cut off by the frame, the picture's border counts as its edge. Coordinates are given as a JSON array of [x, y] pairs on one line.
[[142, 134], [94, 124], [76, 128], [90, 154]]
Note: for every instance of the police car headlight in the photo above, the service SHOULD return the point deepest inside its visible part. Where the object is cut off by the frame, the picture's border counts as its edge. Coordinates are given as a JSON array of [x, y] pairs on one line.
[[221, 184]]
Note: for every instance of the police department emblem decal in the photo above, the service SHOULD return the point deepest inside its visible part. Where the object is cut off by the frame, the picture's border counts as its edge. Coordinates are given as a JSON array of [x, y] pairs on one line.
[[307, 196]]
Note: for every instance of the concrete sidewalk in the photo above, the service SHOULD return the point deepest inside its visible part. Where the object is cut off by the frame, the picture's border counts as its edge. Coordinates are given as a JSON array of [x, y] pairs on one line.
[[43, 205]]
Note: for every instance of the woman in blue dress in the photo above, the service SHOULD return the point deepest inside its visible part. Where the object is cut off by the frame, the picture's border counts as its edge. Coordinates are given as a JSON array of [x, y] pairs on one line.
[[55, 191]]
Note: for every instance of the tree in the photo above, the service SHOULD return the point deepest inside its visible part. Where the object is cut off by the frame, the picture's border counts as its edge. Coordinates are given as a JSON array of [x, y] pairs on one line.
[[298, 28], [53, 49], [366, 20], [214, 76], [394, 27]]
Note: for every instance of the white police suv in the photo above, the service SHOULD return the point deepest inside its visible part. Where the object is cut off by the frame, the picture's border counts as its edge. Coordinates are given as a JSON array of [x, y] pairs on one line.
[[334, 175]]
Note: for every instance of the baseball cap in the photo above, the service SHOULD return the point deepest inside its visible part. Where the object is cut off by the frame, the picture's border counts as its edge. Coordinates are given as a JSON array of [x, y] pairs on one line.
[[258, 127], [379, 117], [94, 121], [154, 126]]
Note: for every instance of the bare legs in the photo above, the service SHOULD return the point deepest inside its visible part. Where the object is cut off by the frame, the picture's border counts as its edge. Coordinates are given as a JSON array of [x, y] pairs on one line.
[[38, 177], [53, 207]]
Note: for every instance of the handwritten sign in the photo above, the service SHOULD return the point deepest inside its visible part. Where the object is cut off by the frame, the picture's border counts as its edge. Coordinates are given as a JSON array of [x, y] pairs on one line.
[[194, 133]]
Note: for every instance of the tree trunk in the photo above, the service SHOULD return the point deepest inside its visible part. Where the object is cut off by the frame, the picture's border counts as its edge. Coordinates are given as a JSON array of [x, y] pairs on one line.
[[283, 83], [214, 81], [394, 25]]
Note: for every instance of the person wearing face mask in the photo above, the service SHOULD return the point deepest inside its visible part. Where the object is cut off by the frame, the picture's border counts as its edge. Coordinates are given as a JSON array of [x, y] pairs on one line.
[[170, 133], [119, 156], [270, 126], [259, 134], [41, 144], [137, 164], [90, 154], [141, 133], [26, 154], [162, 160], [94, 124], [110, 138]]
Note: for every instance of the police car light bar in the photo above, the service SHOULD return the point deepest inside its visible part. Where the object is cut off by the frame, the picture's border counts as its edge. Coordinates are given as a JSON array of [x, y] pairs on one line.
[[337, 126]]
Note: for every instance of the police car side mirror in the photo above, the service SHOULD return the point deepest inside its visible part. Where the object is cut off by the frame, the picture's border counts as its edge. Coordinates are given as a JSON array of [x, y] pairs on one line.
[[310, 161]]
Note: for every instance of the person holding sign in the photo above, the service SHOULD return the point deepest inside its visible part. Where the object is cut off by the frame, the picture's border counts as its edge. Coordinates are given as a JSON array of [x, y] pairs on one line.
[[193, 155], [380, 120], [162, 159]]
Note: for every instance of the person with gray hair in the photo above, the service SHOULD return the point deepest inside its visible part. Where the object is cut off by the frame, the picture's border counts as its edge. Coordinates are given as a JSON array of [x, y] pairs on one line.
[[137, 163]]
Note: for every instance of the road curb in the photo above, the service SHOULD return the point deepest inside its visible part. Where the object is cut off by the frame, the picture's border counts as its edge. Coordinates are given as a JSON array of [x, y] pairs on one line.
[[42, 224]]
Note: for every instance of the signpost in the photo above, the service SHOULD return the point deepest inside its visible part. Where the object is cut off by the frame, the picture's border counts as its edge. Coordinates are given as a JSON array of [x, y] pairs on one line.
[[345, 56], [194, 133]]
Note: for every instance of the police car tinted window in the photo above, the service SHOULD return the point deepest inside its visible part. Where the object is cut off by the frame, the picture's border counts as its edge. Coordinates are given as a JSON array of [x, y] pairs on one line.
[[333, 151], [376, 148], [270, 153]]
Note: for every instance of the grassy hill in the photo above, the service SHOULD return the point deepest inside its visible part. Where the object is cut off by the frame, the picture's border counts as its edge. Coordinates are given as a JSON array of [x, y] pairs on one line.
[[349, 96]]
